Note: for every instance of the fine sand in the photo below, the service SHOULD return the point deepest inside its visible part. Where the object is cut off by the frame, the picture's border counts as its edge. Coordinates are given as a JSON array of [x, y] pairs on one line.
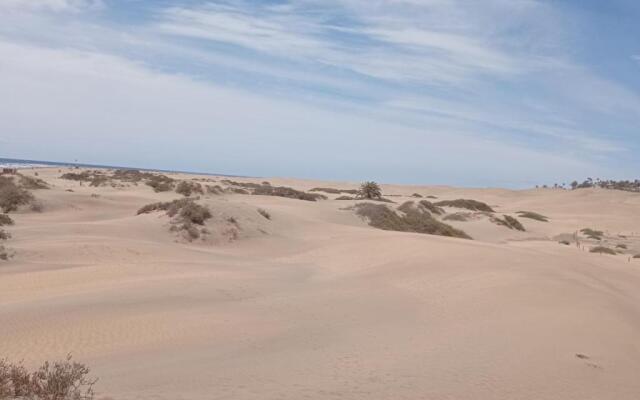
[[316, 304]]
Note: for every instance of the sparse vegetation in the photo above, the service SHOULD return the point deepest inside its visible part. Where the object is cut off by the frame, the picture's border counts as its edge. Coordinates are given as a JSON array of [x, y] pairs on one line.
[[345, 198], [532, 215], [459, 216], [592, 233], [160, 183], [334, 191], [61, 380], [4, 256], [431, 207], [636, 256], [188, 188], [13, 196], [93, 177], [264, 213], [370, 190], [468, 204], [565, 242], [283, 191], [418, 195], [4, 235], [603, 250], [621, 246], [510, 222], [5, 220], [185, 213], [31, 183], [414, 220]]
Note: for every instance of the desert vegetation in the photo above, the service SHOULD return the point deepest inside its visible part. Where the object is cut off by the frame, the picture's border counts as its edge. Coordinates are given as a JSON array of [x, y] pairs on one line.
[[264, 213], [414, 220], [187, 188], [32, 183], [4, 235], [509, 221], [468, 204], [345, 198], [185, 214], [532, 215], [431, 207], [417, 195], [283, 191], [603, 250], [459, 217], [370, 190], [592, 233], [5, 220], [334, 191], [13, 196], [60, 380]]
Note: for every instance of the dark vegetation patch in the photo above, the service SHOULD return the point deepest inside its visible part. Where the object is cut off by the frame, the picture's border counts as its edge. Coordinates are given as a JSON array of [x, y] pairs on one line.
[[245, 185], [509, 221], [431, 207], [592, 233], [459, 216], [345, 198], [431, 197], [636, 256], [621, 246], [625, 185], [61, 380], [185, 214], [186, 188], [468, 204], [603, 250], [418, 195], [532, 215], [214, 189], [283, 191], [31, 183], [334, 191], [370, 190], [92, 177], [4, 235], [13, 196], [4, 256], [264, 213], [5, 220], [414, 220], [161, 183], [565, 242]]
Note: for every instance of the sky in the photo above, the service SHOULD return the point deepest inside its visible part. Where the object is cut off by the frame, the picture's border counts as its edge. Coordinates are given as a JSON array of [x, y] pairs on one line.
[[483, 93]]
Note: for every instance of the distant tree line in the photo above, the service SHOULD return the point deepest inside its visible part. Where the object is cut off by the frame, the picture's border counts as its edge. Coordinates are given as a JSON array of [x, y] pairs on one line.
[[626, 185]]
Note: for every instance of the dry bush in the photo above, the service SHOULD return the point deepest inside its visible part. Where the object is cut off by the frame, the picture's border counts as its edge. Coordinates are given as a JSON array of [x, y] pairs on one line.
[[370, 190], [216, 189], [432, 197], [160, 183], [636, 256], [431, 207], [61, 380], [603, 250], [194, 213], [94, 178], [12, 196], [264, 213], [532, 215], [4, 253], [459, 216], [565, 242], [592, 233], [468, 204], [31, 183], [188, 188], [509, 221], [283, 191], [334, 191], [245, 185], [418, 195], [4, 235], [414, 220], [185, 214], [5, 220], [621, 246], [345, 198]]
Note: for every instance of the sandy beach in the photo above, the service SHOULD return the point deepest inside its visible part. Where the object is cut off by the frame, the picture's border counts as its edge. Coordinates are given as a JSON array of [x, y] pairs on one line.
[[314, 303]]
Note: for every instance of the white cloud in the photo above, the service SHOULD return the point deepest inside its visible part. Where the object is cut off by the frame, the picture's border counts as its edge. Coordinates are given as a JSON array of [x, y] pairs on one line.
[[49, 5]]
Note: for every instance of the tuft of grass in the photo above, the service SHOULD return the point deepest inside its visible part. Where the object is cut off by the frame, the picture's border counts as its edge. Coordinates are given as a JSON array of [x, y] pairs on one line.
[[185, 214], [532, 215], [4, 256], [468, 204], [31, 183], [186, 188], [621, 246], [565, 242], [264, 213], [5, 220], [431, 207], [334, 191], [459, 216], [60, 380], [4, 235], [345, 198], [414, 220], [283, 191], [417, 195], [13, 196], [510, 222], [592, 233], [603, 250]]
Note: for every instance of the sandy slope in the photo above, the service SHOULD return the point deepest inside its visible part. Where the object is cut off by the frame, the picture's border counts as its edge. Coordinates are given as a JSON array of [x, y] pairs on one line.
[[315, 304]]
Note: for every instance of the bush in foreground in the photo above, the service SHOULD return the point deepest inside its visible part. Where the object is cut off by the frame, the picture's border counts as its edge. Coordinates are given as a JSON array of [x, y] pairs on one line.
[[61, 380], [510, 222], [12, 196], [5, 220]]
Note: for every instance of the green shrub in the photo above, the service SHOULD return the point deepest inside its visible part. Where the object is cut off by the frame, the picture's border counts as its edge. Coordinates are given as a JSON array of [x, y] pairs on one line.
[[510, 222], [603, 250], [282, 191], [431, 207], [12, 196], [592, 233], [468, 204], [345, 198], [160, 183], [334, 191], [532, 215], [414, 220]]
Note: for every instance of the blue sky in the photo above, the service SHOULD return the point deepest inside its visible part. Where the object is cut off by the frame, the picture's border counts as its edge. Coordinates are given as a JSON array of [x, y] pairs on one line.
[[463, 92]]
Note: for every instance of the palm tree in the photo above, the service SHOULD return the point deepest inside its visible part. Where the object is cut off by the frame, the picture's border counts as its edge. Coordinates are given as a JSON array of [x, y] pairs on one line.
[[370, 190]]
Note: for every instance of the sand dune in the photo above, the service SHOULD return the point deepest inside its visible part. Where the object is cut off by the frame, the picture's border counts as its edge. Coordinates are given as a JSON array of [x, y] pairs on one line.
[[316, 304]]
